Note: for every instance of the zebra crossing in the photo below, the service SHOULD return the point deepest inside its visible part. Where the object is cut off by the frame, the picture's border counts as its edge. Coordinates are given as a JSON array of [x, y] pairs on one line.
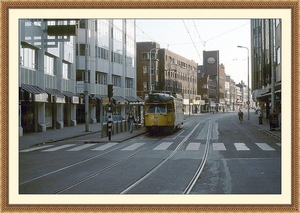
[[191, 146]]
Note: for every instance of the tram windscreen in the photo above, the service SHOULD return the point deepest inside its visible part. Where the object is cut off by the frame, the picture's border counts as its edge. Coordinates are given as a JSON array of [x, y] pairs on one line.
[[157, 108]]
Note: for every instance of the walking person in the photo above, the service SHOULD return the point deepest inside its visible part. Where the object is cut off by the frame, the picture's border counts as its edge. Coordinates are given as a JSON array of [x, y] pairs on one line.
[[130, 120]]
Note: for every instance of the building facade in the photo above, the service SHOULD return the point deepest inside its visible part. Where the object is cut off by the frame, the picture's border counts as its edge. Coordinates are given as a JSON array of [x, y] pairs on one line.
[[266, 64], [169, 72], [47, 81], [212, 77], [64, 61]]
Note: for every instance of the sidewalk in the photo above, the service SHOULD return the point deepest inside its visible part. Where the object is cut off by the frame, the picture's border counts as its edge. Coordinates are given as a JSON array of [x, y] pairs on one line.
[[55, 135], [265, 126]]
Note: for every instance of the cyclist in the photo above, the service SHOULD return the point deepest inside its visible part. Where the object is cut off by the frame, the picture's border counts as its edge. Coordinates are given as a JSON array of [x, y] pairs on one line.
[[240, 114]]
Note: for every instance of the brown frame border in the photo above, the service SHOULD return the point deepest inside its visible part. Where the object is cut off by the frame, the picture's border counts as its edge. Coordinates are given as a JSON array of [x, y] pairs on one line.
[[290, 4]]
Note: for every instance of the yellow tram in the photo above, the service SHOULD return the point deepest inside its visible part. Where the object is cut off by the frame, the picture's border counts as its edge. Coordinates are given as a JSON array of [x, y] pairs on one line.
[[163, 112]]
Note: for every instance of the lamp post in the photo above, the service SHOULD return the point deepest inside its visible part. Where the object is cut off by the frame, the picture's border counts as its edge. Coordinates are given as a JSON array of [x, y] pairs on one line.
[[248, 102], [150, 72]]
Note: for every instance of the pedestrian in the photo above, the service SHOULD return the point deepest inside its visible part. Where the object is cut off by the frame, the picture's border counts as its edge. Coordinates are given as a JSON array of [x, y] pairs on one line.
[[130, 120], [240, 114]]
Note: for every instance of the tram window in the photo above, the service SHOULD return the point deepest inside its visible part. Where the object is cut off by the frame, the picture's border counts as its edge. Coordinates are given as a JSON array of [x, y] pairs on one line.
[[170, 107], [158, 108]]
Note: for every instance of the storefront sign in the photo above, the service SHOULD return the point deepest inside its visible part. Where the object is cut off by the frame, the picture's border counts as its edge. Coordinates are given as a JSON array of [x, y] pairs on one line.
[[80, 86], [60, 100], [42, 97], [75, 100]]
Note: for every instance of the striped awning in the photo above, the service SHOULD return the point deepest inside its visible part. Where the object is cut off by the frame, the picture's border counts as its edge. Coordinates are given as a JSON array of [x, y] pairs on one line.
[[100, 97], [119, 100], [130, 99], [32, 89], [54, 92], [68, 94]]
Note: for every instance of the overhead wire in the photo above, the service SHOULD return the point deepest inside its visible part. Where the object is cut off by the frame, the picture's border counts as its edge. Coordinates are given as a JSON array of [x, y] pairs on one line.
[[192, 40]]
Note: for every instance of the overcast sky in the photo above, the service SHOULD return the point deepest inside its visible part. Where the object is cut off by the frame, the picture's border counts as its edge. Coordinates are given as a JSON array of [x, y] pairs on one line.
[[190, 37]]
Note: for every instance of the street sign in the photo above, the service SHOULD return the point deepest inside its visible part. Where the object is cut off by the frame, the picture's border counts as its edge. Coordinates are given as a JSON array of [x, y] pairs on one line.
[[80, 87]]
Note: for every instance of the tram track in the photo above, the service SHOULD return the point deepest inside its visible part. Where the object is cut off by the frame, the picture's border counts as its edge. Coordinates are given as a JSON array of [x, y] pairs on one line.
[[198, 172], [84, 161], [124, 160], [201, 165]]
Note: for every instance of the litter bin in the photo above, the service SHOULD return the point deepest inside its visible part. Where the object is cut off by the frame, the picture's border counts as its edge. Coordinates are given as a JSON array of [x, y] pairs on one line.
[[260, 119]]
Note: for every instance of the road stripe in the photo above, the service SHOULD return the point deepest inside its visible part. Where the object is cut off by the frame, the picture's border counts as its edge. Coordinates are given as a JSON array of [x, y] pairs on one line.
[[133, 146], [36, 148], [265, 147], [163, 146], [105, 146], [58, 148], [81, 147], [193, 146], [241, 147], [218, 146], [279, 144]]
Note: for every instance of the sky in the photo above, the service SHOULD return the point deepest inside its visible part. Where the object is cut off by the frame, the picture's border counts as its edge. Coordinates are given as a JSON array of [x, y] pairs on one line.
[[190, 37]]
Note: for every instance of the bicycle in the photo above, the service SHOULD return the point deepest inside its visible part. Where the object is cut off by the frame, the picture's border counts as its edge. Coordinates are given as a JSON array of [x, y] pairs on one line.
[[241, 119]]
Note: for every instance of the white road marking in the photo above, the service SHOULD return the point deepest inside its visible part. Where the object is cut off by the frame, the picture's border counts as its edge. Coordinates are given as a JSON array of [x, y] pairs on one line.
[[163, 146], [133, 146], [58, 148], [81, 147], [105, 146], [241, 147], [36, 148], [218, 146], [265, 147], [193, 146]]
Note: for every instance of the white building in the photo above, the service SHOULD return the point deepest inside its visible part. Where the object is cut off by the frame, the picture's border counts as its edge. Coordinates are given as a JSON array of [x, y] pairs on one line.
[[53, 68]]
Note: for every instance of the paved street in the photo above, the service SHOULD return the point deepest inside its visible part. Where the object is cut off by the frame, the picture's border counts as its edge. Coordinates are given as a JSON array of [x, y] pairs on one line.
[[221, 154], [54, 135]]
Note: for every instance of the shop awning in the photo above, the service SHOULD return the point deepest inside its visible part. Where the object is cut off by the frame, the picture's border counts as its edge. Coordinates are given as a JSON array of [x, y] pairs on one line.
[[58, 96], [257, 93], [100, 97], [32, 89], [119, 100], [103, 98], [139, 99], [68, 94], [54, 92], [39, 95], [130, 99], [74, 98], [134, 101], [266, 97]]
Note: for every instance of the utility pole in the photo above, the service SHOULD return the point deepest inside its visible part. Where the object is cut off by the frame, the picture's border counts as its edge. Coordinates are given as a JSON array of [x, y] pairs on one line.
[[248, 101], [86, 81], [272, 66]]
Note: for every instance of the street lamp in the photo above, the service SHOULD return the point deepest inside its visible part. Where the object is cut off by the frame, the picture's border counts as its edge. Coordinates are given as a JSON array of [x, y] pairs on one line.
[[248, 102], [150, 72]]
